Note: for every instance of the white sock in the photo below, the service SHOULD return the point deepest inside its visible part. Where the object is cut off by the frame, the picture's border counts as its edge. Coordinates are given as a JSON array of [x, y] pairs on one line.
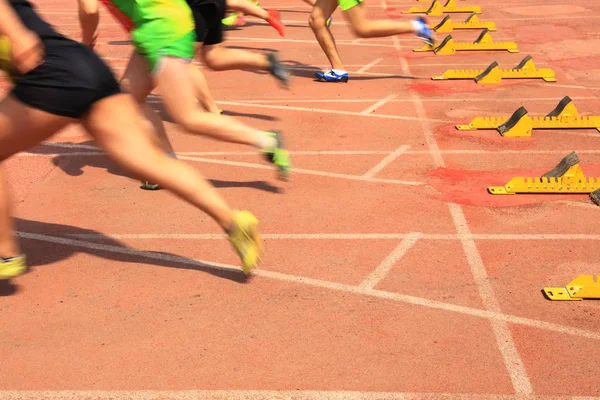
[[339, 71], [416, 25], [265, 142]]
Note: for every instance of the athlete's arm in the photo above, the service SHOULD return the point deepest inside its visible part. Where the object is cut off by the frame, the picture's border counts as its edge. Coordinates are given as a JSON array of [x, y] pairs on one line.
[[26, 47]]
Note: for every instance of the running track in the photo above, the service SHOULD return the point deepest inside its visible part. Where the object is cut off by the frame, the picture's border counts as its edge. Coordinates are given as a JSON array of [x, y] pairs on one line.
[[389, 273]]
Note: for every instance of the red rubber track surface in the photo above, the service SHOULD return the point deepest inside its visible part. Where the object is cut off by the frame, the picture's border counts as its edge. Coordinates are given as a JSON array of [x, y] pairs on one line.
[[389, 272]]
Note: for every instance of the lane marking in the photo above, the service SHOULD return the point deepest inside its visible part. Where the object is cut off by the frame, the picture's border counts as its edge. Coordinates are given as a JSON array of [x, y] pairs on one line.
[[505, 342], [369, 65], [351, 236], [433, 304], [377, 105], [386, 161], [305, 171], [387, 264]]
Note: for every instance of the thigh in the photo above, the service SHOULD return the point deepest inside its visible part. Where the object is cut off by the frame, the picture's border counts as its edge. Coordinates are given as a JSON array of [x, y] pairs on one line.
[[22, 127], [137, 80]]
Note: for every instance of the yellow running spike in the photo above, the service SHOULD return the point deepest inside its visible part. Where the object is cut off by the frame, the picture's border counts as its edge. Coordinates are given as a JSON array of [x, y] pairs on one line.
[[582, 287], [566, 177], [493, 74], [436, 8], [5, 48], [564, 116], [472, 22], [483, 43]]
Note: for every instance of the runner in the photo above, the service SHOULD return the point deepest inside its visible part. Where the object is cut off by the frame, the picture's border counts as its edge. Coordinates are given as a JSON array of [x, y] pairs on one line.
[[209, 36], [355, 14], [58, 82]]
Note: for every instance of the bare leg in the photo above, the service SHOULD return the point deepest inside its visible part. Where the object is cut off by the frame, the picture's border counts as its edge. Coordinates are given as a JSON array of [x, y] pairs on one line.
[[158, 134], [180, 102], [89, 18], [203, 94], [364, 28], [21, 127], [318, 23], [220, 58], [107, 122], [9, 246], [246, 7]]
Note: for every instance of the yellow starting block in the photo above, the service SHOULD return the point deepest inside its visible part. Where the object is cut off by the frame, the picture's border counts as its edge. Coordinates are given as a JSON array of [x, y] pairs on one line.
[[472, 22], [493, 74], [564, 116], [582, 287], [436, 8], [483, 43], [566, 177]]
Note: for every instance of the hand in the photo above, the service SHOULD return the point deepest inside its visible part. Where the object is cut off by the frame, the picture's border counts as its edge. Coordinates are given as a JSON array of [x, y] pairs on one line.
[[27, 52]]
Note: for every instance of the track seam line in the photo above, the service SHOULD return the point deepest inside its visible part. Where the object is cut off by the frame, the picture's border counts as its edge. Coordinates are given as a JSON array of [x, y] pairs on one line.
[[387, 264], [505, 342]]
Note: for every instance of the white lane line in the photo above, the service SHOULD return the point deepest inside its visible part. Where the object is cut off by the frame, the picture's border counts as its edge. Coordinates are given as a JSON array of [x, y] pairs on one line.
[[506, 344], [349, 236], [305, 171], [434, 304], [369, 65], [386, 161], [377, 105], [388, 263]]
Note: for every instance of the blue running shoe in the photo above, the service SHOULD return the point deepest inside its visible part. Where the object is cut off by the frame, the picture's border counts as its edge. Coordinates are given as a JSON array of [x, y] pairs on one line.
[[424, 32], [330, 76]]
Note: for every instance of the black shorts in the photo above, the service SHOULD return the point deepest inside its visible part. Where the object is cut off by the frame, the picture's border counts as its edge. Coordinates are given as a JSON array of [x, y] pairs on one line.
[[207, 17], [70, 80]]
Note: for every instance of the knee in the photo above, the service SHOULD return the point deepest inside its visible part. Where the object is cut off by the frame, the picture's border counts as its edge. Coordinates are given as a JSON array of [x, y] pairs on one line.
[[211, 58], [317, 20], [88, 8], [127, 87], [361, 30]]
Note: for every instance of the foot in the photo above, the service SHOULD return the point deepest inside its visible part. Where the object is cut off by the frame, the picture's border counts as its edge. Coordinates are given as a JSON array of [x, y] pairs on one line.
[[149, 186], [330, 76], [278, 70], [279, 156], [245, 239], [12, 267], [233, 20], [275, 22], [423, 31]]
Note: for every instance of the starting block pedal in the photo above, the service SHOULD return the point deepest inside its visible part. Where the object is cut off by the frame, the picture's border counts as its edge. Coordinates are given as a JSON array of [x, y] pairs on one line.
[[493, 74], [472, 22], [582, 287], [436, 8], [564, 116], [566, 177], [483, 43]]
